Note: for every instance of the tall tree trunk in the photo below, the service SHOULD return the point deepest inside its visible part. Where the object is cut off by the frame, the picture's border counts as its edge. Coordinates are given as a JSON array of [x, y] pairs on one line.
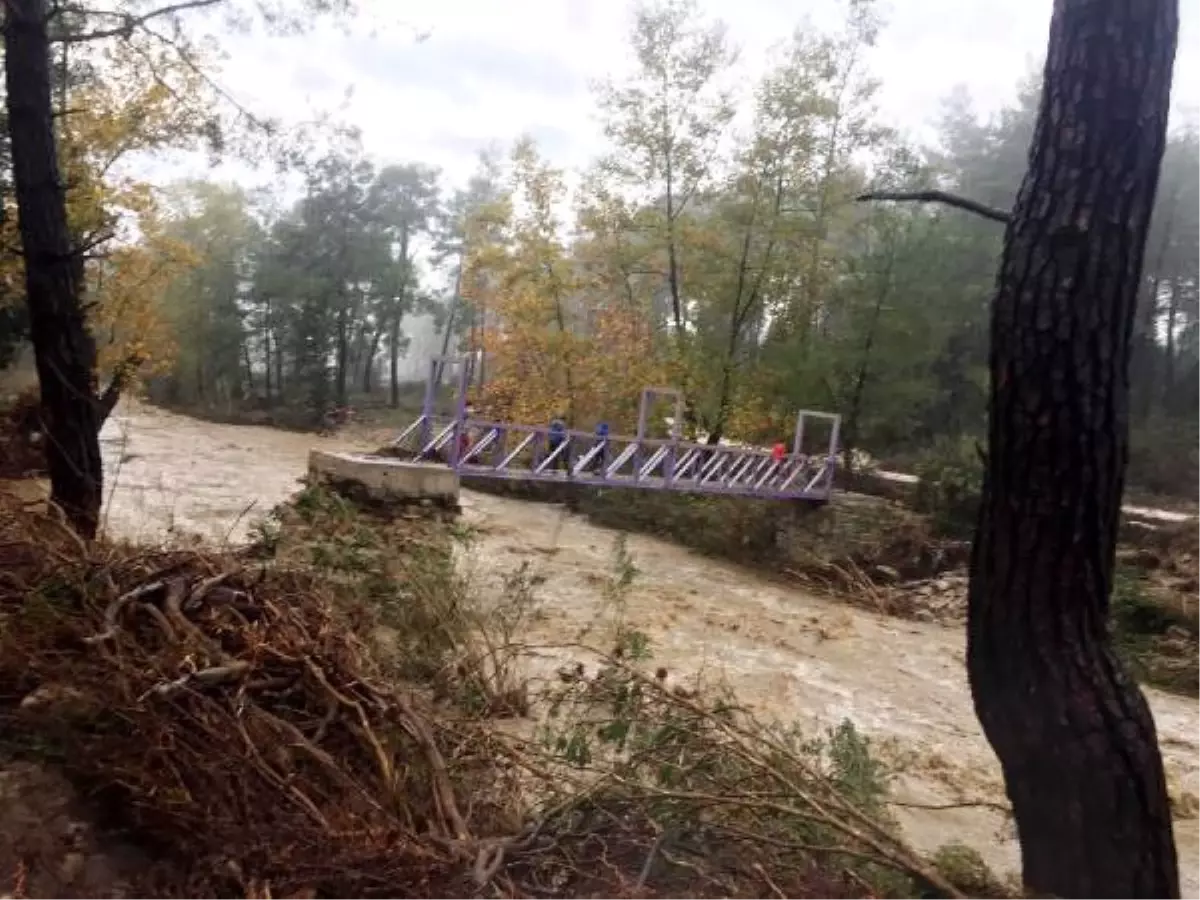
[[342, 352], [678, 314], [455, 304], [267, 382], [850, 431], [1144, 358], [246, 387], [394, 351], [1073, 733], [63, 348], [1144, 371], [1169, 362], [279, 345], [358, 352], [690, 416], [372, 352], [744, 304], [397, 312]]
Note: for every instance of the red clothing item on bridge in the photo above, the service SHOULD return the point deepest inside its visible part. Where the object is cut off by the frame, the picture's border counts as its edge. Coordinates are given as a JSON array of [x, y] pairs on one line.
[[778, 452]]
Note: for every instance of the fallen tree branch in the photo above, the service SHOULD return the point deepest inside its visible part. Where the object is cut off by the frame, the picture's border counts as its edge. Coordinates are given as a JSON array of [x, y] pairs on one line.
[[122, 376], [113, 613], [973, 206], [211, 675], [829, 809], [966, 804]]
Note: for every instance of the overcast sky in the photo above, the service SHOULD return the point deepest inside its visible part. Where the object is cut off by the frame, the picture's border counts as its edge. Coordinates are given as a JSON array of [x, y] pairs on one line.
[[491, 70]]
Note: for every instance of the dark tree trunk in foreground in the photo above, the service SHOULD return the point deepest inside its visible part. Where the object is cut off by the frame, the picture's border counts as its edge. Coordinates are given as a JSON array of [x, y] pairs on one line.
[[64, 350], [1073, 733]]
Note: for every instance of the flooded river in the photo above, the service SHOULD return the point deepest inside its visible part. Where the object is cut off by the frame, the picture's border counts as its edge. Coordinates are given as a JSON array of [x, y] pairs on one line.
[[787, 653]]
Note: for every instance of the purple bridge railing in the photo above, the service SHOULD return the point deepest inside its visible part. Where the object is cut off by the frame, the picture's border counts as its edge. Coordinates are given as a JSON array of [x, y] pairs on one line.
[[504, 450]]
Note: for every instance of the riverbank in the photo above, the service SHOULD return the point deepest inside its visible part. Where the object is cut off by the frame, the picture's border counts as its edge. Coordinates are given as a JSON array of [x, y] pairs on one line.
[[332, 711], [787, 650]]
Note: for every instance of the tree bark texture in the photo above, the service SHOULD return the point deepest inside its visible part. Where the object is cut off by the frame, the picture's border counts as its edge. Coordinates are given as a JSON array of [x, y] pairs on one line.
[[1074, 734], [64, 349]]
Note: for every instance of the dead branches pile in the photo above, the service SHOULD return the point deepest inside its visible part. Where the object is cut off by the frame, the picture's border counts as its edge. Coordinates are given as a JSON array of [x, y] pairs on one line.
[[234, 715], [228, 715], [888, 570]]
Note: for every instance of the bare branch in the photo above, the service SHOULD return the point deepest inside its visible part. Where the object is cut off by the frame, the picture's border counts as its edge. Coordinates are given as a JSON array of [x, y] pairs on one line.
[[130, 22], [186, 58], [94, 239], [120, 380], [987, 212]]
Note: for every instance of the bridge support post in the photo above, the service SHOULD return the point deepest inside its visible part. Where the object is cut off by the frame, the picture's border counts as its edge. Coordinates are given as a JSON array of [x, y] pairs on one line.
[[645, 408], [829, 461], [643, 413], [672, 449], [427, 405], [460, 415]]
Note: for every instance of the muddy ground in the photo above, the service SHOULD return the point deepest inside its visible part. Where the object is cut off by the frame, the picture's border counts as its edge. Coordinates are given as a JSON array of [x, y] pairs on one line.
[[788, 653]]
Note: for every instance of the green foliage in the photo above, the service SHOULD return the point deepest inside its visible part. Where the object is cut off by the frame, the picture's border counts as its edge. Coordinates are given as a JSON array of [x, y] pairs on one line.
[[1155, 640], [14, 331], [400, 572], [966, 869], [217, 222], [397, 573], [720, 526], [1164, 455], [296, 307], [710, 777], [951, 478], [859, 776], [732, 262], [1131, 611]]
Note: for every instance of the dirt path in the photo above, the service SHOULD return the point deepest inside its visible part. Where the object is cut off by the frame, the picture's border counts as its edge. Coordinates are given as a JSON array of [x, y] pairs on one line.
[[792, 655]]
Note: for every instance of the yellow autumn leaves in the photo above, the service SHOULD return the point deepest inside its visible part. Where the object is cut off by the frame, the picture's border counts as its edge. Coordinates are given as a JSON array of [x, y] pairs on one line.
[[133, 104], [559, 340]]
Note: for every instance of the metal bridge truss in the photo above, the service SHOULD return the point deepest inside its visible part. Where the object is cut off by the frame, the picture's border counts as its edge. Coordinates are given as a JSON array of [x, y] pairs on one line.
[[504, 450]]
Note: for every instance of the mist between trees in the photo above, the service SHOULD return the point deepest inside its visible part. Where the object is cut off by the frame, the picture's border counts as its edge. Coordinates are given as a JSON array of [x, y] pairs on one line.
[[746, 274]]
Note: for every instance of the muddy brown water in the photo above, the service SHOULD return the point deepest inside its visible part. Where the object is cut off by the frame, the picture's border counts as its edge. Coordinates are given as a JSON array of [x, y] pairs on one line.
[[789, 654]]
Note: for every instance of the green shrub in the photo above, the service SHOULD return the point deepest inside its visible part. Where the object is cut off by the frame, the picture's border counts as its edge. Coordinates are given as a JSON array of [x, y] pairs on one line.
[[951, 480], [1131, 609], [1164, 459], [966, 869]]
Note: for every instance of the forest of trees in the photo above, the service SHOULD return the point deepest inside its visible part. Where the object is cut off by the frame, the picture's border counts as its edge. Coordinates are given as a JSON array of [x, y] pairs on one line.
[[724, 242], [715, 244]]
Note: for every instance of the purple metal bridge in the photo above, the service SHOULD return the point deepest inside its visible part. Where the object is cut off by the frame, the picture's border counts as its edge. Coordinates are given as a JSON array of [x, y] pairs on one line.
[[504, 450]]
